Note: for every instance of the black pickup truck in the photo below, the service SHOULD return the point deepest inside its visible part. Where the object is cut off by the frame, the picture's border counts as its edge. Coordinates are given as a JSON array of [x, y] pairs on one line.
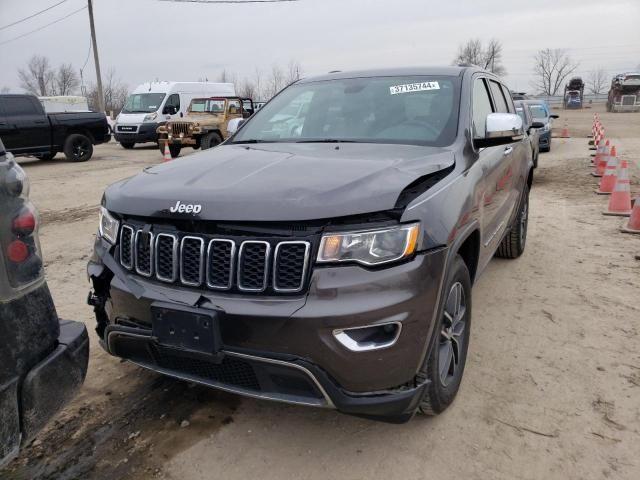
[[26, 129], [43, 359]]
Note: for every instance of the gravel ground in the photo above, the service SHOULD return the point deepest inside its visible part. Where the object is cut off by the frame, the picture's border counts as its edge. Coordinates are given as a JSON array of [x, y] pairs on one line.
[[550, 391]]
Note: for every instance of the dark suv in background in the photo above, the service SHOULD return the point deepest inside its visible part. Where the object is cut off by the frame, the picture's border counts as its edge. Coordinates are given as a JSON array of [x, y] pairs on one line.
[[327, 265], [43, 359]]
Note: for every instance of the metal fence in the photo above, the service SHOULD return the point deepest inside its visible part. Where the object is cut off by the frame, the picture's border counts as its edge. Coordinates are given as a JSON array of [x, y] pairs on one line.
[[557, 100]]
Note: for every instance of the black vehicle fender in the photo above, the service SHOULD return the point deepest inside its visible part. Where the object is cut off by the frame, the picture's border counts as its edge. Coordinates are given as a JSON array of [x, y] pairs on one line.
[[211, 130], [473, 228]]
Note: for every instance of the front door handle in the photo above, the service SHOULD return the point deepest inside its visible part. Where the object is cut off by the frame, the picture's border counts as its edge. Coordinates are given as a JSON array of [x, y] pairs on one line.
[[508, 150]]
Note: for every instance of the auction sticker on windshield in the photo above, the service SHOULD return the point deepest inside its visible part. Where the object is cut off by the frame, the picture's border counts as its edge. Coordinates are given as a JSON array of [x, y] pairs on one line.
[[414, 87]]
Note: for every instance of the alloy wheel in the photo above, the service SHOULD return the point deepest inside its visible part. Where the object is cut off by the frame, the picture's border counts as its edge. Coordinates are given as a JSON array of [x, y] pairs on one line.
[[452, 334]]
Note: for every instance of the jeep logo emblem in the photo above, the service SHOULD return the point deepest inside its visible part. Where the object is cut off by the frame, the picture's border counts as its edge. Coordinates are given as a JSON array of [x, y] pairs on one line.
[[180, 207]]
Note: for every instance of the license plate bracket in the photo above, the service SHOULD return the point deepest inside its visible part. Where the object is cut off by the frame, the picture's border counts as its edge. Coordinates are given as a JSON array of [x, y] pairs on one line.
[[191, 329]]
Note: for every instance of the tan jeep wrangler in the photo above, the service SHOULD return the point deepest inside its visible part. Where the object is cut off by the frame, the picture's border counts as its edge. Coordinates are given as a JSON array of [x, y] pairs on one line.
[[205, 125]]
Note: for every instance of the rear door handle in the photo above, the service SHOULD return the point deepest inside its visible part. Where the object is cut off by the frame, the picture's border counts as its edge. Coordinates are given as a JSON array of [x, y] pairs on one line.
[[508, 150]]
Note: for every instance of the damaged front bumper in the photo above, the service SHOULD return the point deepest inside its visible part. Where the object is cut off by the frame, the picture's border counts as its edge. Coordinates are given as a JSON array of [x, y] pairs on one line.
[[285, 348]]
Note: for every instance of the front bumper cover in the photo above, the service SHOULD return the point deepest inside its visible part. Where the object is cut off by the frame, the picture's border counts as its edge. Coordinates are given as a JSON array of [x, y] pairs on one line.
[[295, 329], [146, 133]]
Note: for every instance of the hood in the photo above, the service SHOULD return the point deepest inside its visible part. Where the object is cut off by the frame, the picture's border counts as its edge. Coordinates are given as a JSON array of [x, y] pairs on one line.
[[277, 182], [131, 118]]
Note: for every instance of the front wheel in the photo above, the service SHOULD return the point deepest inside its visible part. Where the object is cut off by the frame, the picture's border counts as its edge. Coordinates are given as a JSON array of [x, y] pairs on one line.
[[78, 148], [445, 365], [513, 243], [210, 140]]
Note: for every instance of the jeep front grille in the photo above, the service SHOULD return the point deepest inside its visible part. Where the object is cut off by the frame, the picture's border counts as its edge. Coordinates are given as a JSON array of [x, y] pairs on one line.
[[180, 127], [215, 263]]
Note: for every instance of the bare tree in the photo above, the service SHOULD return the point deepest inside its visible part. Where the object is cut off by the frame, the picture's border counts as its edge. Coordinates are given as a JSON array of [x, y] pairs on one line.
[[115, 93], [66, 80], [551, 68], [294, 72], [489, 57], [5, 90], [275, 83], [597, 81], [38, 77]]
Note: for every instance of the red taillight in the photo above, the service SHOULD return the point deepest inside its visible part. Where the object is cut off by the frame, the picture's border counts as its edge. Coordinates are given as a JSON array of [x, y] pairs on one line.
[[18, 251], [24, 223]]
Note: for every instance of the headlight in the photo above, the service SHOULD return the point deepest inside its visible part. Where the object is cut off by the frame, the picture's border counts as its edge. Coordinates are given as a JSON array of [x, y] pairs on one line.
[[150, 117], [169, 127], [108, 226], [372, 247]]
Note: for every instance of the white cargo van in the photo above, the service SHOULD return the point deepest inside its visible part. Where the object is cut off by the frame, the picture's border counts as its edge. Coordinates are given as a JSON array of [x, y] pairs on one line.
[[152, 104]]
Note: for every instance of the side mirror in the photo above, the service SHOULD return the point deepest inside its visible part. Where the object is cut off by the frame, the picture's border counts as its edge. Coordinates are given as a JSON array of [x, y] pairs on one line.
[[234, 125], [537, 125], [501, 128], [553, 115], [169, 110]]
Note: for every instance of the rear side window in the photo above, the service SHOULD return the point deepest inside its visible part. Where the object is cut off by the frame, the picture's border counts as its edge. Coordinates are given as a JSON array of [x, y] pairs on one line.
[[18, 106], [507, 96], [498, 97], [481, 108]]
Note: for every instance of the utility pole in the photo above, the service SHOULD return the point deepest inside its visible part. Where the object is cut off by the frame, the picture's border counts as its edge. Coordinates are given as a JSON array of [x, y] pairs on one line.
[[95, 59]]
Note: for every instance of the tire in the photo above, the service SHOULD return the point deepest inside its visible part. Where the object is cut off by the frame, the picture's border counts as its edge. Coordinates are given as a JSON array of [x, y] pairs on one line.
[[78, 148], [210, 140], [535, 160], [46, 157], [451, 334], [127, 145], [175, 150], [514, 242]]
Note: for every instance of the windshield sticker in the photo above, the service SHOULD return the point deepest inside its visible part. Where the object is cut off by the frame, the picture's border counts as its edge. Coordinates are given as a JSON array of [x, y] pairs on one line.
[[414, 87]]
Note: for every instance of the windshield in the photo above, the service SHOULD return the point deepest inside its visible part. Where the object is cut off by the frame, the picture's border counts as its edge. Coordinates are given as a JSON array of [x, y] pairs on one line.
[[409, 110], [143, 102], [206, 105], [538, 111]]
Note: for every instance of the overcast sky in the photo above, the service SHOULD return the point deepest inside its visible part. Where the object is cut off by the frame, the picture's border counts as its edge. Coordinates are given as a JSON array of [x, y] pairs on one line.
[[148, 39]]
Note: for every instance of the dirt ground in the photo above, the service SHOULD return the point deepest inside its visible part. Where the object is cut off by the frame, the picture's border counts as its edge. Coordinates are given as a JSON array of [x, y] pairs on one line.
[[551, 389]]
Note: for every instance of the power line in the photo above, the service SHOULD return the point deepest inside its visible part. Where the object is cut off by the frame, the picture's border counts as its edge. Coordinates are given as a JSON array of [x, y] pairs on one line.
[[44, 26], [31, 16]]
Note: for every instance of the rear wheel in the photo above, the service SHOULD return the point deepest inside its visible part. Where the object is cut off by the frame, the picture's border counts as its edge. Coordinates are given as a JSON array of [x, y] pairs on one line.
[[445, 365], [78, 148], [210, 140], [127, 145], [513, 243]]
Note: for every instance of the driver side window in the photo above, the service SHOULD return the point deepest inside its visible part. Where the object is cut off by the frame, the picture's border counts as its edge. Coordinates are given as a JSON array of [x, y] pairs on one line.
[[173, 102], [481, 108]]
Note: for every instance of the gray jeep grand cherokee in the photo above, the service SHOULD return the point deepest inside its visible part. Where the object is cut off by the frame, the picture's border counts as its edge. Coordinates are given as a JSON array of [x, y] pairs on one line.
[[327, 265]]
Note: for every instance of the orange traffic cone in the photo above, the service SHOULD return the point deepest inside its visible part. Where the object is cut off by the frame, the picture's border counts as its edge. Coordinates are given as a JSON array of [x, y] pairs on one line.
[[564, 133], [608, 180], [620, 200], [167, 153], [601, 161], [633, 225]]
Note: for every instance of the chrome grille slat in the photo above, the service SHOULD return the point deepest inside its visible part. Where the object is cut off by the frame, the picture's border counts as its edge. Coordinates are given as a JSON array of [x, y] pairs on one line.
[[216, 273], [126, 247], [292, 264], [252, 268], [186, 248], [161, 262], [222, 264]]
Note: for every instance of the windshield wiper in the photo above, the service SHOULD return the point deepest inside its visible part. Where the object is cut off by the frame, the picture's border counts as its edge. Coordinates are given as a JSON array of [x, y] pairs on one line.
[[327, 140], [252, 140]]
